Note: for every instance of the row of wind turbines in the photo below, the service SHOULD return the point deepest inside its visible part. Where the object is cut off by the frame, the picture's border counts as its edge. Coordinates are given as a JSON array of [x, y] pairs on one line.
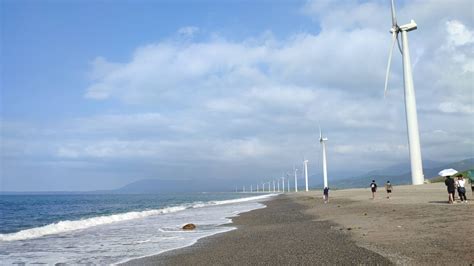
[[410, 111], [267, 185]]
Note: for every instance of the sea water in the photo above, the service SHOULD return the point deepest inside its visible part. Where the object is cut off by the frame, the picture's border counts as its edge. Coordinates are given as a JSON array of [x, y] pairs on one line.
[[109, 229]]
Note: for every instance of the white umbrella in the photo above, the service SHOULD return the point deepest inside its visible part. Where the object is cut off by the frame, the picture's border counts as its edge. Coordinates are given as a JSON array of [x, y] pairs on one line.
[[448, 172]]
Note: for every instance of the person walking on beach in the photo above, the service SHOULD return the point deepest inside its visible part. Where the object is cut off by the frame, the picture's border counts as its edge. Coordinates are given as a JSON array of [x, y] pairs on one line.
[[326, 195], [460, 183], [373, 187], [388, 188], [449, 182]]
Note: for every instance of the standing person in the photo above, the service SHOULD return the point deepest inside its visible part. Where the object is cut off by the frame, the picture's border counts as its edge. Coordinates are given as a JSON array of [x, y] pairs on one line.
[[461, 188], [326, 195], [449, 182], [373, 187], [388, 188]]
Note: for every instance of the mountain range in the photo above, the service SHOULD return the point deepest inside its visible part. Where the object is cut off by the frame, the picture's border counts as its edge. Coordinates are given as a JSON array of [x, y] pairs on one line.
[[400, 174]]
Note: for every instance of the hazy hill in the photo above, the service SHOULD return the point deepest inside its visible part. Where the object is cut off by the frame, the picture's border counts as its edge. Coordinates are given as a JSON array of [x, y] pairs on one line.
[[397, 174], [171, 186], [403, 176]]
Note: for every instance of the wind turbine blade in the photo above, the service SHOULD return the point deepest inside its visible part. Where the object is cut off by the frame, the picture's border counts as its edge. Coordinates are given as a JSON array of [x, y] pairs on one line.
[[394, 18], [394, 39], [320, 134]]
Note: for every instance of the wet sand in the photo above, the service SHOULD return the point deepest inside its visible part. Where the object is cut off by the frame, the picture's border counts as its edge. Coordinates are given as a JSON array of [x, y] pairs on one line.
[[281, 234], [415, 226]]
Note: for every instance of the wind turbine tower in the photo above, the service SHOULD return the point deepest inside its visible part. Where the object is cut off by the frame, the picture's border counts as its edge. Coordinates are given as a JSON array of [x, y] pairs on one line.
[[417, 176], [296, 179], [325, 169], [273, 185], [283, 183], [288, 181], [306, 173]]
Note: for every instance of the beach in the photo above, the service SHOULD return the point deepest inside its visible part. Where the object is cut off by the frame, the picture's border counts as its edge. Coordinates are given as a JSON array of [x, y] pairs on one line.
[[414, 226]]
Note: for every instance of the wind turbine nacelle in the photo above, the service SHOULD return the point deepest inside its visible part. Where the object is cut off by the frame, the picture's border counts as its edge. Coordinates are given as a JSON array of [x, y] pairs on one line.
[[409, 27]]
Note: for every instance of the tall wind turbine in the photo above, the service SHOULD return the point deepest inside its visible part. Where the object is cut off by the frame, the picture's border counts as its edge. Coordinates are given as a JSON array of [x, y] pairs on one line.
[[273, 185], [296, 178], [278, 185], [417, 177], [325, 167], [306, 173]]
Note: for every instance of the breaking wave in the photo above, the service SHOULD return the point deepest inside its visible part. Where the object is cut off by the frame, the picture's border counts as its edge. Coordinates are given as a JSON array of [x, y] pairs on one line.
[[67, 225]]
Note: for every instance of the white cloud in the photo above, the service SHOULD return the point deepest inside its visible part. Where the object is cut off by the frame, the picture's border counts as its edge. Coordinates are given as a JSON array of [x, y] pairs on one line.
[[458, 33], [263, 88], [258, 101], [188, 31]]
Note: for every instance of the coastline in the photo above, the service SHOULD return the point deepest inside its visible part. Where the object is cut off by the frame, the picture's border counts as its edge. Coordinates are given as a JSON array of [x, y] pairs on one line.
[[415, 226], [281, 233]]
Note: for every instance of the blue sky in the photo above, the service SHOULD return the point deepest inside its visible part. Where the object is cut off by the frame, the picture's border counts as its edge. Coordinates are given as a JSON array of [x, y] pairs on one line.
[[96, 94]]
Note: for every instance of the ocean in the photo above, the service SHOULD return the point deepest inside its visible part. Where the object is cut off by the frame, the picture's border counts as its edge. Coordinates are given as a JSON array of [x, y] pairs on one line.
[[111, 228]]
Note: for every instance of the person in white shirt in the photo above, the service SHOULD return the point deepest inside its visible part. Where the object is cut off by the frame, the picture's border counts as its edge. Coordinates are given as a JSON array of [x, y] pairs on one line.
[[460, 183]]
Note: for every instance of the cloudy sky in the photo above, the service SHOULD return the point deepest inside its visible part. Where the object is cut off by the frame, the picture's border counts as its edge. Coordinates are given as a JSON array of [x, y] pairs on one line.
[[97, 94]]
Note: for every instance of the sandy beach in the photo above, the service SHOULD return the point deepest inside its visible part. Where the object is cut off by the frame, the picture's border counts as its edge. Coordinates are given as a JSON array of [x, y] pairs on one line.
[[415, 226]]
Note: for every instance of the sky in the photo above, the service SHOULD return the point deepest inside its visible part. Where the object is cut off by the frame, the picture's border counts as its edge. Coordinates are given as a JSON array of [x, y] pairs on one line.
[[98, 94]]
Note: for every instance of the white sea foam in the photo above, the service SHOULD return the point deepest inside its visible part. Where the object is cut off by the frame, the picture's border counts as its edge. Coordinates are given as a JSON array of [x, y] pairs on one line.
[[67, 226]]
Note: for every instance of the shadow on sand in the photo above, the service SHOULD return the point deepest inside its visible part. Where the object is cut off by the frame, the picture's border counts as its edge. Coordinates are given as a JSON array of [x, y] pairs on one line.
[[439, 202]]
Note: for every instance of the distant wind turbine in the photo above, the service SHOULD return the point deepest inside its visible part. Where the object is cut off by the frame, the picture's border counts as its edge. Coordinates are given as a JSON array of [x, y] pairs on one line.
[[325, 169], [306, 173], [283, 183], [273, 185], [288, 181], [410, 101], [296, 178], [278, 185]]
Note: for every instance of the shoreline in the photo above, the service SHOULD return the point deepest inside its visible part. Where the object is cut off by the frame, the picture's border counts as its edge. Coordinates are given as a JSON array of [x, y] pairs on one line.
[[281, 233], [414, 226]]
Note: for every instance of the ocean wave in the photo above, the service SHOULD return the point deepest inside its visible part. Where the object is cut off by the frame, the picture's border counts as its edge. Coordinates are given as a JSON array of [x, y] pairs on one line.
[[67, 226]]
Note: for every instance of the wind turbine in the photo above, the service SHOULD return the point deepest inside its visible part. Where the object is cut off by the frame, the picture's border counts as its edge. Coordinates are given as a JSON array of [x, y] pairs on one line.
[[296, 179], [283, 183], [288, 181], [274, 186], [325, 167], [417, 177], [306, 173], [278, 185]]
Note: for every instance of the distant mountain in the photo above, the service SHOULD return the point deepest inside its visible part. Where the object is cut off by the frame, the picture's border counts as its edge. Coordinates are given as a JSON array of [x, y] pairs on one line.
[[398, 174], [401, 168], [152, 186]]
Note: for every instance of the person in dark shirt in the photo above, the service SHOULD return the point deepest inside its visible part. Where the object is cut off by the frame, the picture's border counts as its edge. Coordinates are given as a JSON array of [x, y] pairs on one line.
[[373, 187], [326, 195], [449, 182]]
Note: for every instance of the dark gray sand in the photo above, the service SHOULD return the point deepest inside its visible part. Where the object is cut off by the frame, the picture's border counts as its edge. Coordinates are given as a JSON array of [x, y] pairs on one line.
[[281, 234]]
